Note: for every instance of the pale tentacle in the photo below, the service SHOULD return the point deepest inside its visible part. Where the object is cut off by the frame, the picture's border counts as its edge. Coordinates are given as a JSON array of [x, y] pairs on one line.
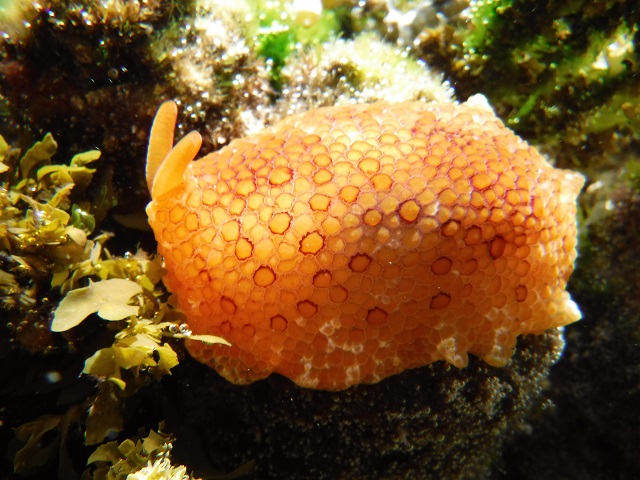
[[169, 173], [160, 139]]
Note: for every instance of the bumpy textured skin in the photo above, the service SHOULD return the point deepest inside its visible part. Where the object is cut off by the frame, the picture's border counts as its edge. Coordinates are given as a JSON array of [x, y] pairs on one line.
[[350, 243]]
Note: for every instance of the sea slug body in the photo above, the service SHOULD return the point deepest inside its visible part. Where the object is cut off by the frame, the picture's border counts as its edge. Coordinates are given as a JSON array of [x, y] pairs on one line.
[[350, 243]]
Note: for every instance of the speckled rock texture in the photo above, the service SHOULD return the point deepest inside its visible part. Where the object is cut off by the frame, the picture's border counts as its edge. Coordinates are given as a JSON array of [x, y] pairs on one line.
[[435, 422], [593, 431]]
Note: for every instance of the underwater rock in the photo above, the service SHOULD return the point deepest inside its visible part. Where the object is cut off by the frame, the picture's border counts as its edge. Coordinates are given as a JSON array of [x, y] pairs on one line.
[[592, 430], [433, 422]]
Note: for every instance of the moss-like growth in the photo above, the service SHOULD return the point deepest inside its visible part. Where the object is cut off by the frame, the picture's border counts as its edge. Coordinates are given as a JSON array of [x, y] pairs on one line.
[[80, 68], [365, 69], [223, 60], [564, 74]]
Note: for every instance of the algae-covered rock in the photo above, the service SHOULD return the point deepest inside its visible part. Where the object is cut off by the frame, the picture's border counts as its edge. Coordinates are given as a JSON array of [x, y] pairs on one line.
[[429, 423], [564, 73], [593, 430]]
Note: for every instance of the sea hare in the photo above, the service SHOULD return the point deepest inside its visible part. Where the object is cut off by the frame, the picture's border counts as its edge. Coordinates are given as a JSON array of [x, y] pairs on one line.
[[350, 243]]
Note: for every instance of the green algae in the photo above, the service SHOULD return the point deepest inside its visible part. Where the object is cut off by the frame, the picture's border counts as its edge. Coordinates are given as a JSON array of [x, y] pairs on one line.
[[562, 74], [572, 65], [281, 32]]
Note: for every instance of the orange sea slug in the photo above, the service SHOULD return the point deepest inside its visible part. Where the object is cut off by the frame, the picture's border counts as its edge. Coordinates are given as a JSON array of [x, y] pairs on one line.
[[347, 244]]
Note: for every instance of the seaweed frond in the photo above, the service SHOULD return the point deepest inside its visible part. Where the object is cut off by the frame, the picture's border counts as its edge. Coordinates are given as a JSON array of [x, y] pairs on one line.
[[148, 458]]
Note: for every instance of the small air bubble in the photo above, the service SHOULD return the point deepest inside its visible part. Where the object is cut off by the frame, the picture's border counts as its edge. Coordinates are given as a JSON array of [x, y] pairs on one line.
[[53, 376], [173, 328]]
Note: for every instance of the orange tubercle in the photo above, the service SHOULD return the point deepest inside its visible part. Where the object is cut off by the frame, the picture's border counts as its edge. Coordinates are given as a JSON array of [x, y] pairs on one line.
[[347, 244]]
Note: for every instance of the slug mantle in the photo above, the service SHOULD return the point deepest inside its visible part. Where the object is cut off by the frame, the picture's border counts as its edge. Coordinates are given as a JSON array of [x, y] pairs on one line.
[[347, 244]]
